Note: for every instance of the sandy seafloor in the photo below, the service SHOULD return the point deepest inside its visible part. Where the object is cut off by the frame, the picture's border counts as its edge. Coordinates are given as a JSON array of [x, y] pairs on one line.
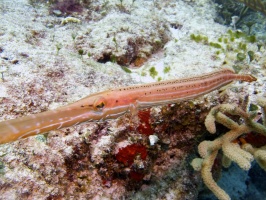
[[47, 62]]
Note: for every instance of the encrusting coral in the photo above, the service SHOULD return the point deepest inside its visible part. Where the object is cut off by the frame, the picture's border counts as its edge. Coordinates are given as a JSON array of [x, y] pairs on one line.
[[242, 154]]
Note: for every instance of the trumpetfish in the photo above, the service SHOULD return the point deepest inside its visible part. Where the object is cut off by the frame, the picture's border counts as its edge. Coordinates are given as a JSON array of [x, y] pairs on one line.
[[113, 103]]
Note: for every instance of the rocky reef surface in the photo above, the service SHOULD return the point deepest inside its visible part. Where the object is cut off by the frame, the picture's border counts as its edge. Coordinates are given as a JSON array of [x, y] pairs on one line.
[[56, 52]]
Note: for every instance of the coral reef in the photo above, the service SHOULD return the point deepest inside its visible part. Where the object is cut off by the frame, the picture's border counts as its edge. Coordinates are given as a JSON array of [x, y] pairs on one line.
[[93, 159], [242, 16], [242, 154], [134, 47], [45, 65]]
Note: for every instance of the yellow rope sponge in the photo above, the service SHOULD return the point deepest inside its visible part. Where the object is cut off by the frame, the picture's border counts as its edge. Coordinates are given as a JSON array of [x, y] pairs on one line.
[[242, 155]]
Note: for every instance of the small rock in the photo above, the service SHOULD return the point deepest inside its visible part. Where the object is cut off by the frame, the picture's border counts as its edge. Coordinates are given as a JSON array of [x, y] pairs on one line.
[[57, 13], [153, 139]]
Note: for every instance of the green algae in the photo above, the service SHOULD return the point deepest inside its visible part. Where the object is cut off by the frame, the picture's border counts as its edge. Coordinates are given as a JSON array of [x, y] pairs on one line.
[[153, 72]]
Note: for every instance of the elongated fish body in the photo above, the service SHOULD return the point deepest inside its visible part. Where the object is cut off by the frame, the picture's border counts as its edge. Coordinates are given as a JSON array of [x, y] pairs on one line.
[[113, 103]]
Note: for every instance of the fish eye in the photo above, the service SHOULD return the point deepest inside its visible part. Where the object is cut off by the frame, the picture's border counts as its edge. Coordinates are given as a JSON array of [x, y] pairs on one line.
[[99, 104]]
